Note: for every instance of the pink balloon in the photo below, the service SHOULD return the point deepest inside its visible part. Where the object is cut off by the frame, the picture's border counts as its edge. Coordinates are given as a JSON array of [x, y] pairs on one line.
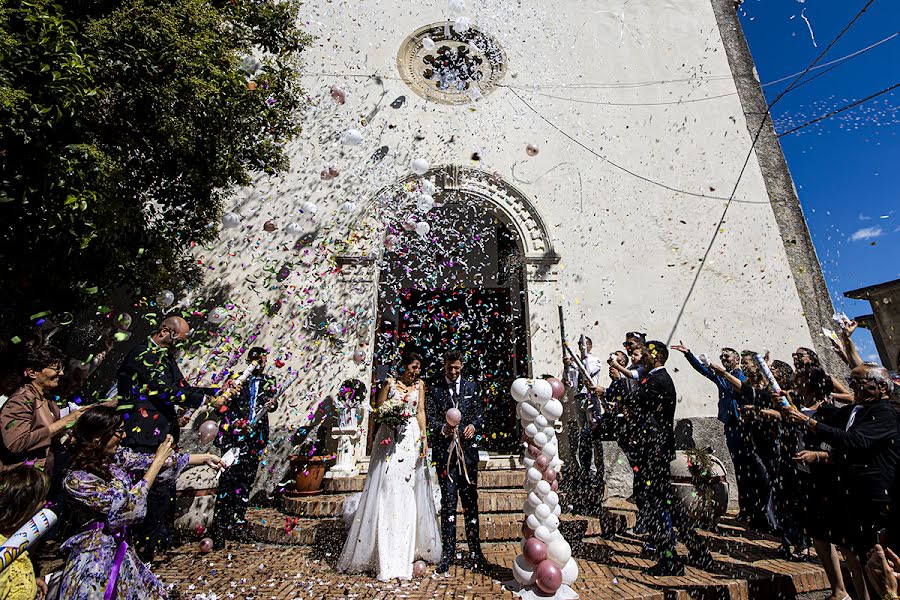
[[453, 417], [534, 451], [206, 545], [541, 462], [208, 431], [554, 485], [527, 532], [559, 390], [535, 551], [419, 568], [338, 94], [549, 474], [548, 576]]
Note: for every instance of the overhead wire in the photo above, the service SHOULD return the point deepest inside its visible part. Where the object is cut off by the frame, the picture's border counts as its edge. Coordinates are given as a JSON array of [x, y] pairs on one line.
[[839, 110], [759, 130]]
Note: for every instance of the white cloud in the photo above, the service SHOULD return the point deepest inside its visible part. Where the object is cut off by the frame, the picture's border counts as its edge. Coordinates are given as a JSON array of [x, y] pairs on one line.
[[866, 233]]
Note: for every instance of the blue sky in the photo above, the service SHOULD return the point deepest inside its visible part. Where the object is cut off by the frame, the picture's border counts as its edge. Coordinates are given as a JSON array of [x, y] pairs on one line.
[[846, 168]]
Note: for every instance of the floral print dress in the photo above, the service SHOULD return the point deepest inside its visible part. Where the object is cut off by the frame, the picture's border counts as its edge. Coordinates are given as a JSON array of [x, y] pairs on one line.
[[117, 503]]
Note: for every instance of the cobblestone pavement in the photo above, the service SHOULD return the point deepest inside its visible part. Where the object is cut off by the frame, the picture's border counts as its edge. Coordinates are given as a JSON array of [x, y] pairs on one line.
[[747, 567]]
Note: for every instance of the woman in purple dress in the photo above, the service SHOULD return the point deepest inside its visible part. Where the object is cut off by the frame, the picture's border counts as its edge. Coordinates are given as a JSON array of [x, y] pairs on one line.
[[108, 486]]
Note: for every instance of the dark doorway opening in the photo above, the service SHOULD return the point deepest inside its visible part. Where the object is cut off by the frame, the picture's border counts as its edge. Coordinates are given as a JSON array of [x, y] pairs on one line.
[[480, 310]]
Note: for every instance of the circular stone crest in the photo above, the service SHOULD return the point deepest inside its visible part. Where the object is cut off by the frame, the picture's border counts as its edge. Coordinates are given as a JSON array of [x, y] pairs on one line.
[[459, 67]]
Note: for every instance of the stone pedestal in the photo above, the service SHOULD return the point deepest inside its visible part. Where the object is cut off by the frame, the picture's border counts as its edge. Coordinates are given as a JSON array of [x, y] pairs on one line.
[[345, 466]]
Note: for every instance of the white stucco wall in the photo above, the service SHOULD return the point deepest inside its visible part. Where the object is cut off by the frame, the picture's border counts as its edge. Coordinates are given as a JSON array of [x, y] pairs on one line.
[[628, 248]]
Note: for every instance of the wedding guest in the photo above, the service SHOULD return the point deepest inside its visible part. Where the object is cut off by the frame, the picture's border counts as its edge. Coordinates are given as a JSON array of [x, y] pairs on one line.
[[151, 386], [22, 493], [29, 420], [108, 488], [883, 569], [739, 446], [239, 432], [865, 447], [590, 451]]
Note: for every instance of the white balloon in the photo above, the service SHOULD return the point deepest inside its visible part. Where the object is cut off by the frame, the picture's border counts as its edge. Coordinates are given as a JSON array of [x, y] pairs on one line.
[[529, 411], [522, 571], [558, 510], [428, 188], [540, 421], [349, 207], [549, 450], [428, 44], [250, 65], [165, 299], [294, 228], [457, 7], [422, 228], [520, 388], [550, 433], [532, 522], [541, 391], [230, 220], [352, 137], [559, 552], [530, 486], [534, 475], [525, 422], [419, 166], [542, 511], [552, 410], [542, 487], [533, 499], [217, 315], [309, 207], [542, 533], [424, 203], [527, 461], [552, 522], [556, 463], [540, 439], [531, 430], [551, 499], [462, 24], [570, 572], [528, 509]]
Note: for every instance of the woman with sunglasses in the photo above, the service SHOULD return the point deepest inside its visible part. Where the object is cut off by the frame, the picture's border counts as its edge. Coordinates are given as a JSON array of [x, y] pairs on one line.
[[29, 420], [108, 494]]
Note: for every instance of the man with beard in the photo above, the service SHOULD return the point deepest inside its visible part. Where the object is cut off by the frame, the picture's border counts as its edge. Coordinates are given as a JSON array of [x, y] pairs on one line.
[[150, 387]]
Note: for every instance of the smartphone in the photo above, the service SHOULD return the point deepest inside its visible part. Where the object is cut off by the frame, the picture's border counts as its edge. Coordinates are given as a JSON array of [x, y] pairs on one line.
[[882, 538]]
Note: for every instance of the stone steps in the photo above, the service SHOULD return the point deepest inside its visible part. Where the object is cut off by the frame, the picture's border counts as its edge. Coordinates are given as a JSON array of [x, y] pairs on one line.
[[332, 505], [269, 525], [489, 479]]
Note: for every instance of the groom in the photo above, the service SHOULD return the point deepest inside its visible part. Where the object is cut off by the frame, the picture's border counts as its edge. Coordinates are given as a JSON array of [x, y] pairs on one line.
[[449, 391]]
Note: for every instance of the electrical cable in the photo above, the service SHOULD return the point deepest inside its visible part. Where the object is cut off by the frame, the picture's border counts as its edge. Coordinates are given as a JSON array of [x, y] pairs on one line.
[[839, 110]]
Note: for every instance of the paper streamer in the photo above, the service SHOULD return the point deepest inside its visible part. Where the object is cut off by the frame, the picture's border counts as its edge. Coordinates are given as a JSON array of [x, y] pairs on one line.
[[26, 536]]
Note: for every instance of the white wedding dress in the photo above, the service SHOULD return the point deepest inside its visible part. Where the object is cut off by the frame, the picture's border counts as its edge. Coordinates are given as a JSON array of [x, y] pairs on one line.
[[395, 522]]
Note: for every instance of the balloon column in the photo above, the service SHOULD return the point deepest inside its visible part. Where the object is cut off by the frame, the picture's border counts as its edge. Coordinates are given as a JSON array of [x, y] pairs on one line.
[[545, 561]]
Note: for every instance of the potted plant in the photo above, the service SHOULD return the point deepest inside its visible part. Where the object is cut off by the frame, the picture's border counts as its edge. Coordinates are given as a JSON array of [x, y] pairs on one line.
[[310, 458]]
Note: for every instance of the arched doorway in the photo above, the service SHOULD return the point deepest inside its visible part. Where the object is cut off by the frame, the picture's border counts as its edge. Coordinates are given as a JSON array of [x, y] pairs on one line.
[[463, 286]]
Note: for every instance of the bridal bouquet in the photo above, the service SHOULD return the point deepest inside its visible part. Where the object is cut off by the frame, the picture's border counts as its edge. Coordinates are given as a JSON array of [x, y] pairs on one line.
[[393, 413]]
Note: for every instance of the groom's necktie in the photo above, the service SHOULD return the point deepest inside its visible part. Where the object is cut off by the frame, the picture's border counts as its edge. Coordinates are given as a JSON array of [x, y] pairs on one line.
[[454, 396]]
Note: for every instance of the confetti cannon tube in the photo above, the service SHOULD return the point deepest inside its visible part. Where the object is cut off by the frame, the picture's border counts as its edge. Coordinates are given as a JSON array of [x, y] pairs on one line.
[[767, 373], [25, 537]]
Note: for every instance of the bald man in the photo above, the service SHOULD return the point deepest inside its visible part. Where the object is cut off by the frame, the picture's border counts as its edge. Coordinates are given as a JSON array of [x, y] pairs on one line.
[[150, 387]]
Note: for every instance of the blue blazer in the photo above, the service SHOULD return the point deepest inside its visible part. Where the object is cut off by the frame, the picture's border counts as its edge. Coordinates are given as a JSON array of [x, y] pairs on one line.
[[437, 402]]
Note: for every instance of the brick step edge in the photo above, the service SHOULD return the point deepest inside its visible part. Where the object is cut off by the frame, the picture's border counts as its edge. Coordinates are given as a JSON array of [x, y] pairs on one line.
[[494, 479], [273, 527], [332, 505]]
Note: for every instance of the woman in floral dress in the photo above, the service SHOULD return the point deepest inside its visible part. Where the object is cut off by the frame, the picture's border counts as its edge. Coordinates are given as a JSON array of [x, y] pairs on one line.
[[108, 486]]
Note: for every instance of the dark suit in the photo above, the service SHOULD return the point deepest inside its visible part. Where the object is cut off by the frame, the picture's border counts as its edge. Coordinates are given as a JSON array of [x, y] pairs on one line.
[[866, 459], [651, 431], [453, 483], [233, 493], [150, 386]]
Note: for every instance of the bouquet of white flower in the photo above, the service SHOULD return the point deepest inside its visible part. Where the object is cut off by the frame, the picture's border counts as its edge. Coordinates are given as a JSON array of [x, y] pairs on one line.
[[393, 412]]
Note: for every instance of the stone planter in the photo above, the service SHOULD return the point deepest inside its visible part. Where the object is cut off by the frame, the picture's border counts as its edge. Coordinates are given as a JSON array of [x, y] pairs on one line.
[[685, 488]]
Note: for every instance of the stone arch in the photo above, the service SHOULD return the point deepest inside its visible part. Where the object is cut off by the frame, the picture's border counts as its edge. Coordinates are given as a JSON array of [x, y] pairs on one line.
[[500, 197]]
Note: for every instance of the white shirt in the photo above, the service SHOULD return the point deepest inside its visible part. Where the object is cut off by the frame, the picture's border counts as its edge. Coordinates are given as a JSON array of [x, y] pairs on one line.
[[454, 385], [594, 368]]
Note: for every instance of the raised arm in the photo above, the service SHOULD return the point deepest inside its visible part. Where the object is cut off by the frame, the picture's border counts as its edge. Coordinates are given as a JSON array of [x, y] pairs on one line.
[[853, 357], [736, 383]]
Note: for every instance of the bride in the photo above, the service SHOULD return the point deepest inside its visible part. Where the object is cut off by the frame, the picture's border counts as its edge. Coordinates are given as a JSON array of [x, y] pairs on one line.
[[396, 521]]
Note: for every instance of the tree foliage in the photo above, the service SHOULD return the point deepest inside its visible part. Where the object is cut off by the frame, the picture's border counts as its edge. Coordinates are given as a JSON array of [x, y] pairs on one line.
[[123, 126]]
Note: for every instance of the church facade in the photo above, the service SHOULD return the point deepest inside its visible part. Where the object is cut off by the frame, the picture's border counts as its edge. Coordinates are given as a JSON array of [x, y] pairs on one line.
[[476, 167]]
